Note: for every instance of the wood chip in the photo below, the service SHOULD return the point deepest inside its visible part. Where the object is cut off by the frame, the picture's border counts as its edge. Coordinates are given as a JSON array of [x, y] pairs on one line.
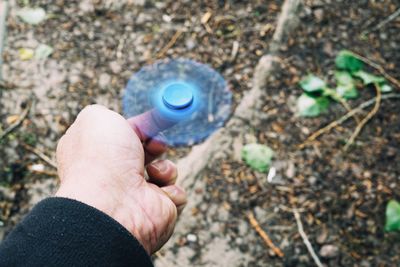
[[206, 17]]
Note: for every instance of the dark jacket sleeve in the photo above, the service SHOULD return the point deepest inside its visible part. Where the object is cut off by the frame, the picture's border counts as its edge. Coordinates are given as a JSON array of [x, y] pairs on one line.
[[65, 232]]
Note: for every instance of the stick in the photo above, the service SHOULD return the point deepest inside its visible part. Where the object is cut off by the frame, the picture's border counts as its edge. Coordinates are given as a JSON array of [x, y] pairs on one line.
[[366, 119], [306, 241], [344, 118], [384, 22], [378, 68], [348, 109], [253, 221], [41, 155], [16, 124], [3, 28], [388, 19], [171, 42]]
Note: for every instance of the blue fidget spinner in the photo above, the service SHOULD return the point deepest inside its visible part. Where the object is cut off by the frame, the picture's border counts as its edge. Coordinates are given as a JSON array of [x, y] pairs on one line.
[[189, 99]]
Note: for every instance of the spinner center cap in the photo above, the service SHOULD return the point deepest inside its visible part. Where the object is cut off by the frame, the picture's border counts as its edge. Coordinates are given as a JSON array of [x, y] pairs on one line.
[[177, 96]]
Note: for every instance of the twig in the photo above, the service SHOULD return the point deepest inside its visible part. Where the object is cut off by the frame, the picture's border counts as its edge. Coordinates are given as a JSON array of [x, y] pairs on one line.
[[378, 68], [383, 22], [306, 241], [171, 42], [41, 155], [348, 109], [16, 124], [366, 119], [47, 173], [344, 118], [335, 96], [253, 221]]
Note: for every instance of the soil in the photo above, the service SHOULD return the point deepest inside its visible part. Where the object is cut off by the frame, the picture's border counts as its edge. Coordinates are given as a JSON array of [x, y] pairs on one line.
[[341, 196]]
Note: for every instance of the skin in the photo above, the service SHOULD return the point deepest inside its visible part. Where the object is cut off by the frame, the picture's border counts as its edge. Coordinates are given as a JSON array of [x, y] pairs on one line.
[[102, 160]]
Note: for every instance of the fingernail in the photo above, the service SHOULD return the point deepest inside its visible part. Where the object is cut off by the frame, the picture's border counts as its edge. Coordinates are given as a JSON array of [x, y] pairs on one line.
[[161, 166], [171, 191]]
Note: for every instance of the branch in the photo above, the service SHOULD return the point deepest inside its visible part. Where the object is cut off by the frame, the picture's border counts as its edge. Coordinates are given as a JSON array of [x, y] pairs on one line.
[[372, 113], [171, 42], [342, 119], [383, 22], [263, 234], [378, 68], [3, 18], [41, 155], [16, 124], [306, 241]]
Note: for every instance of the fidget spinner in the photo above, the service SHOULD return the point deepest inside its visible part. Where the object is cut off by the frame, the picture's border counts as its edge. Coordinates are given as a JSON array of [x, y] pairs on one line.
[[186, 100]]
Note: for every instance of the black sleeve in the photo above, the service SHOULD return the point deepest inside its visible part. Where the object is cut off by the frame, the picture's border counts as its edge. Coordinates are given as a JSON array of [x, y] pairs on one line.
[[65, 232]]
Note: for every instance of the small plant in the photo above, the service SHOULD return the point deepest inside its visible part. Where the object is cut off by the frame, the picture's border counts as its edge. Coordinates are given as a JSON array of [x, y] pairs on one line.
[[392, 216], [317, 95], [257, 156]]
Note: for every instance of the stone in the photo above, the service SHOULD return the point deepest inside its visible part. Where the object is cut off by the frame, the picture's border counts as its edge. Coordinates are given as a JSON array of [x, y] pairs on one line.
[[104, 80], [115, 67], [319, 14], [234, 195], [329, 251], [191, 238]]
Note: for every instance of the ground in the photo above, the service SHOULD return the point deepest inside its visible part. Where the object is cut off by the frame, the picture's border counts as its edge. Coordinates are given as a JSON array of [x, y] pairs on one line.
[[341, 196]]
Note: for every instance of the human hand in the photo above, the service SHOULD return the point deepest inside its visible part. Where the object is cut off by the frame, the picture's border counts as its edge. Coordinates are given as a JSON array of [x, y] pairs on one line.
[[101, 162]]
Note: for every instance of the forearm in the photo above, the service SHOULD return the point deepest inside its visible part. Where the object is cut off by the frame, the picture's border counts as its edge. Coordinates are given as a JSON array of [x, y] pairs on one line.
[[64, 232]]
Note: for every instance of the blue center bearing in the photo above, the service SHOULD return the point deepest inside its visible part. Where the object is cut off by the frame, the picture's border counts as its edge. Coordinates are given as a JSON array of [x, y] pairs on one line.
[[177, 96], [191, 95]]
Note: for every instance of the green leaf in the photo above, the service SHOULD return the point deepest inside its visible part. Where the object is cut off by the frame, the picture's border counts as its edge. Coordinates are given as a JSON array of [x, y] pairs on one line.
[[345, 85], [25, 53], [32, 16], [392, 216], [347, 60], [385, 88], [312, 83], [257, 156], [308, 106], [347, 91], [344, 78], [43, 51], [368, 78]]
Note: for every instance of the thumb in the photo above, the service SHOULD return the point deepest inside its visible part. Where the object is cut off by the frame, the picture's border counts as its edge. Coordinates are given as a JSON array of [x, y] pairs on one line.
[[149, 124]]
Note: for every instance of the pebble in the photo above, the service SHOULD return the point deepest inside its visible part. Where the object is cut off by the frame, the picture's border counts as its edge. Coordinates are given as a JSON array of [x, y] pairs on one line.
[[115, 67], [191, 238], [190, 44], [322, 236], [139, 2], [86, 6], [319, 14], [234, 196], [260, 213], [37, 167], [104, 80], [329, 251], [312, 180], [365, 263], [291, 170], [142, 18]]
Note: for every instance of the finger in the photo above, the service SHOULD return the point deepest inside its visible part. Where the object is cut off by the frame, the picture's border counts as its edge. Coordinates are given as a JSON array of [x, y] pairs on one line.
[[177, 195], [153, 149], [162, 172], [149, 124]]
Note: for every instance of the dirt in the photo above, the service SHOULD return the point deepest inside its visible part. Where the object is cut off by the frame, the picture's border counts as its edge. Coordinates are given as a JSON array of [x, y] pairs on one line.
[[341, 196]]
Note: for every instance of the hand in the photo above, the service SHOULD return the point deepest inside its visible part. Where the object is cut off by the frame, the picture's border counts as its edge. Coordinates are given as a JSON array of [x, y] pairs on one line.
[[101, 162]]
